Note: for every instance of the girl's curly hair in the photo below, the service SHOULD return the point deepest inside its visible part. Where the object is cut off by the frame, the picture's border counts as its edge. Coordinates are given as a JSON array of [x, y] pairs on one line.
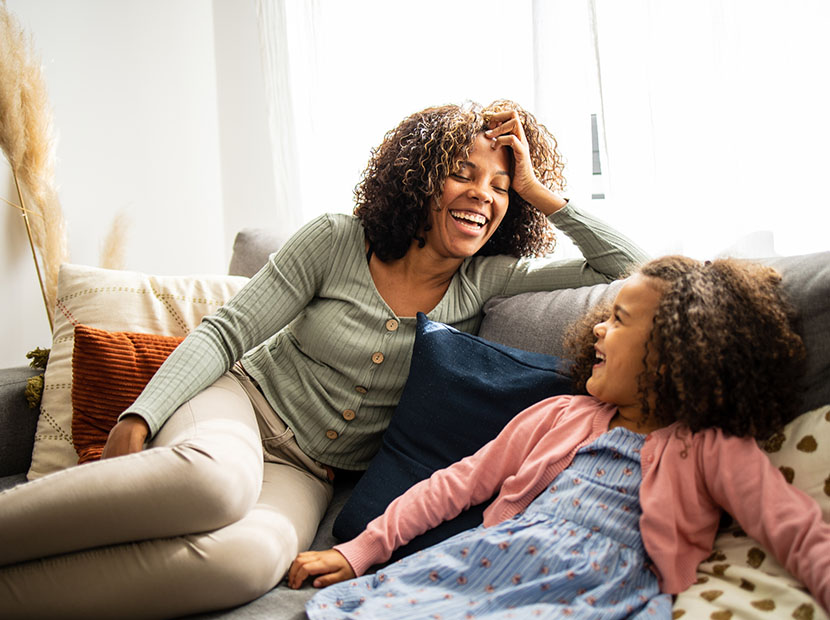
[[724, 351], [407, 172]]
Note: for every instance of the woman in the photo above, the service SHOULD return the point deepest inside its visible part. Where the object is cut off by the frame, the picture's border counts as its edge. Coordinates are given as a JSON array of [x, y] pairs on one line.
[[302, 368]]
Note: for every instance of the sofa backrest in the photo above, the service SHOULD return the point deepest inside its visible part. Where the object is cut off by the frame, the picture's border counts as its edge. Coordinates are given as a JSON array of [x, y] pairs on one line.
[[537, 321], [251, 248]]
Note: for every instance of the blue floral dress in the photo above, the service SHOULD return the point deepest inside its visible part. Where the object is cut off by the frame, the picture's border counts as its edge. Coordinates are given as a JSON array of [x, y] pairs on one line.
[[575, 551]]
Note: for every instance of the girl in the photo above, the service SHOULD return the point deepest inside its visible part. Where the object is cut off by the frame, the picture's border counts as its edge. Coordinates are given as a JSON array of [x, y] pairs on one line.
[[607, 503]]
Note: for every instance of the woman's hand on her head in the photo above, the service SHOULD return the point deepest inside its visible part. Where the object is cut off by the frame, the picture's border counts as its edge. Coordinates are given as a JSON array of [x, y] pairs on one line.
[[330, 565], [505, 129], [126, 437]]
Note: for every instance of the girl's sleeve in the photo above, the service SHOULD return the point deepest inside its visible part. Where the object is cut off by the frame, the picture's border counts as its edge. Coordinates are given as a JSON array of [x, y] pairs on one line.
[[266, 304], [449, 491], [787, 521], [606, 256]]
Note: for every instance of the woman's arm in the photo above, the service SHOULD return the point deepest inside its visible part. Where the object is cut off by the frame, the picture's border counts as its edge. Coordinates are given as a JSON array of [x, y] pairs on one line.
[[607, 254], [268, 302]]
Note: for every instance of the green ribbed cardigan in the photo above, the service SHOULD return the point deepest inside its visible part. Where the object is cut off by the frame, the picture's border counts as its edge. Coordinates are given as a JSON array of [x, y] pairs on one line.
[[316, 335]]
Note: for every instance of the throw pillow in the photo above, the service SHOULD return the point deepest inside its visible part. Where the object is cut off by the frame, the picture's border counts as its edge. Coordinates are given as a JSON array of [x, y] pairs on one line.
[[115, 301], [460, 393], [743, 579], [109, 371]]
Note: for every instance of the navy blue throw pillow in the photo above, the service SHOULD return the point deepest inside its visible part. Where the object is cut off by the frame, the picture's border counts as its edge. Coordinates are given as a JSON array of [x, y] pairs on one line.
[[461, 391]]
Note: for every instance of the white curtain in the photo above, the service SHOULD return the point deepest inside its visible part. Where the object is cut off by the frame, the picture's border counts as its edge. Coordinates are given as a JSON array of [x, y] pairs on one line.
[[712, 120], [286, 35], [717, 125], [341, 74]]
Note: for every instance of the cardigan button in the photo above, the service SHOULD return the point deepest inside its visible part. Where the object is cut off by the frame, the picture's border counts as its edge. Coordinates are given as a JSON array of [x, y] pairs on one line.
[[348, 415], [391, 325], [360, 389], [331, 434], [377, 357]]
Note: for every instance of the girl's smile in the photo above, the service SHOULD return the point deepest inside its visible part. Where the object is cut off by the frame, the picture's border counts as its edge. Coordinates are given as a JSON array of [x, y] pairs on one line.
[[621, 350]]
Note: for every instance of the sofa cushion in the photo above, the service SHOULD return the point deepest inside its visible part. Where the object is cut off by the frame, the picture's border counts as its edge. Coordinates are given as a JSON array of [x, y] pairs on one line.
[[460, 393], [537, 321], [109, 371], [114, 301]]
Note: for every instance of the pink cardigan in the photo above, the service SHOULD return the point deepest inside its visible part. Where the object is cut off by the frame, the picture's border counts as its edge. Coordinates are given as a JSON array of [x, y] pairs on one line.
[[687, 478]]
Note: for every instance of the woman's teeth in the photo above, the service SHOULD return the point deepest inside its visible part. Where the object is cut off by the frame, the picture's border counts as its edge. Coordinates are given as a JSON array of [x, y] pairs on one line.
[[472, 218]]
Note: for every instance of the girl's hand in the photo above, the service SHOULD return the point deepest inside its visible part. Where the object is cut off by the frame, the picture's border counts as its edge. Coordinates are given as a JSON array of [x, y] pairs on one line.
[[505, 129], [331, 564], [126, 437]]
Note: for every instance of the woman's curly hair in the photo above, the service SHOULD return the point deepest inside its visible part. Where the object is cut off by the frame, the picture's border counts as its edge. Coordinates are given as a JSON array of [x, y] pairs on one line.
[[406, 173], [724, 351]]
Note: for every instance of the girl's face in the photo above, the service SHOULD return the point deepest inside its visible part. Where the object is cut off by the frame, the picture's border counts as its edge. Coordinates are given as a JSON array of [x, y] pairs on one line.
[[473, 202], [621, 346]]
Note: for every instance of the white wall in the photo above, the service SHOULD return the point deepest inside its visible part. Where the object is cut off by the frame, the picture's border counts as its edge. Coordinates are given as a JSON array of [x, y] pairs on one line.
[[159, 110]]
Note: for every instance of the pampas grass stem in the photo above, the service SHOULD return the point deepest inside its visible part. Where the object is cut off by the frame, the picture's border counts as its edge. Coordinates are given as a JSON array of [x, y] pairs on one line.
[[25, 216]]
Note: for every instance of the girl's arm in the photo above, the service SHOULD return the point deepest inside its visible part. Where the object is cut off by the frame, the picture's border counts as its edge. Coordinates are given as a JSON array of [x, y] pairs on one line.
[[784, 519], [440, 497]]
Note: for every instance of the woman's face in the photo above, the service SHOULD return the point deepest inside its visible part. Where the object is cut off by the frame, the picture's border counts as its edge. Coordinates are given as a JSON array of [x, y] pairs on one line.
[[473, 202]]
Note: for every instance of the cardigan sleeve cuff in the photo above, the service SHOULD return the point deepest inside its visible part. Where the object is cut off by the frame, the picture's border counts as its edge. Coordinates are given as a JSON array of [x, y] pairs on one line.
[[361, 554]]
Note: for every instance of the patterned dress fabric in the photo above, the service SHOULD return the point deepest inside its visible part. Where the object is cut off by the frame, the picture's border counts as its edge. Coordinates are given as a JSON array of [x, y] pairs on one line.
[[576, 551]]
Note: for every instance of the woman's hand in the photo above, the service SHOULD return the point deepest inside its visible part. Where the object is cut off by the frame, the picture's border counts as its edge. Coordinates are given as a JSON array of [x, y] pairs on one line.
[[505, 129], [331, 564], [126, 437]]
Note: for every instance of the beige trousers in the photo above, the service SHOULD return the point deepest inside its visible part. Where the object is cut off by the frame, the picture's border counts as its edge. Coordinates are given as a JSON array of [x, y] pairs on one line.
[[193, 523]]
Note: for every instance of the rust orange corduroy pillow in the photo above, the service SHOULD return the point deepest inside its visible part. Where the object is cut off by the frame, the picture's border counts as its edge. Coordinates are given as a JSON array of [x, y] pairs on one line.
[[109, 370]]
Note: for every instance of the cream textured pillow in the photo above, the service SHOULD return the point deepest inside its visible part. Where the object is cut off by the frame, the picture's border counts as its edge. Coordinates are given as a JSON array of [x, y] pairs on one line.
[[741, 579], [114, 301]]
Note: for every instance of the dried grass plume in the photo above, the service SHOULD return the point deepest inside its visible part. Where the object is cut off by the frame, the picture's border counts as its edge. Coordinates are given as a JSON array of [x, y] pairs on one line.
[[112, 255], [27, 141]]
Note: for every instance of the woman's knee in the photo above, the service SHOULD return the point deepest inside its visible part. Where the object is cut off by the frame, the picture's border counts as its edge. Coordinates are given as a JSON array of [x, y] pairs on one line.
[[216, 451], [227, 489]]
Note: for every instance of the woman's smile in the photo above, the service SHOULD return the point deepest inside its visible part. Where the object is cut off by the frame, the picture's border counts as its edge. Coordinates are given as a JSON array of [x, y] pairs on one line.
[[470, 220]]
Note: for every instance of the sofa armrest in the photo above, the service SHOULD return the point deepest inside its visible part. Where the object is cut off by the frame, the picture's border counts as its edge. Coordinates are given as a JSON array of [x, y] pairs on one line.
[[17, 421]]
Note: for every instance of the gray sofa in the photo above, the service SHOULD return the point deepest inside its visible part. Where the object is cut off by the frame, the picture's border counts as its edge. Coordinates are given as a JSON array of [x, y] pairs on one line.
[[531, 322]]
